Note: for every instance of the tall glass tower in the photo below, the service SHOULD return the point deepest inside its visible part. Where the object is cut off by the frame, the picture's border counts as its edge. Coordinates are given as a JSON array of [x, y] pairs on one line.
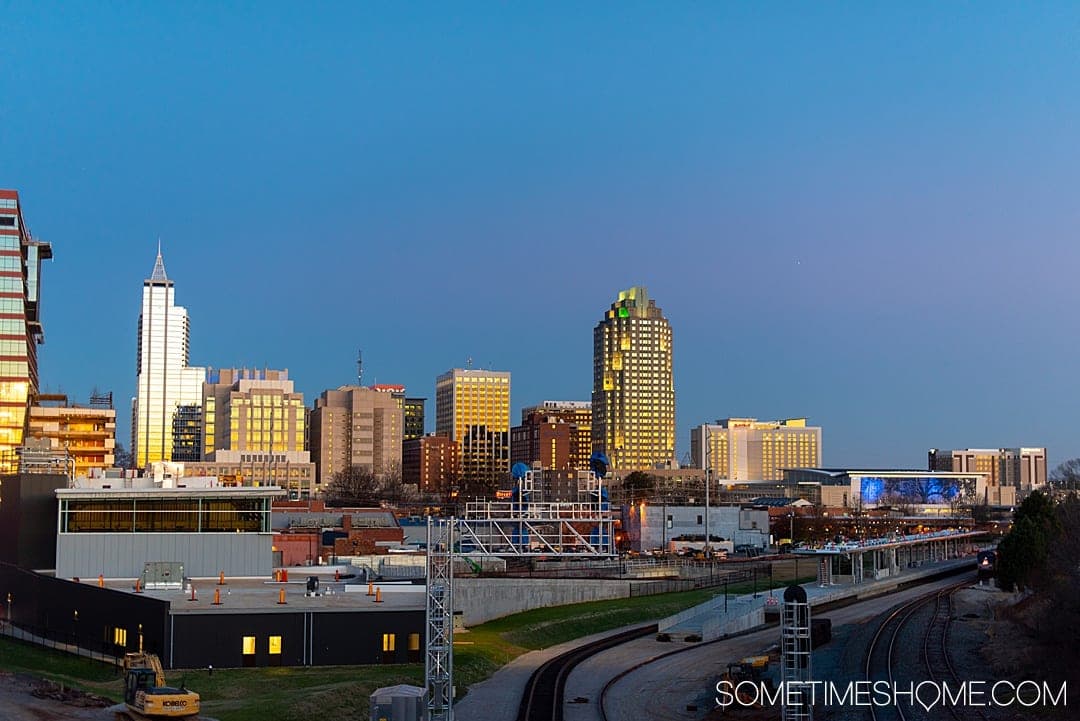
[[473, 408], [166, 384], [20, 325], [633, 398]]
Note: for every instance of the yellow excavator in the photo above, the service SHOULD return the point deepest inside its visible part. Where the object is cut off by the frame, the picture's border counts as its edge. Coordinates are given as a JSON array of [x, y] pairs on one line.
[[146, 695]]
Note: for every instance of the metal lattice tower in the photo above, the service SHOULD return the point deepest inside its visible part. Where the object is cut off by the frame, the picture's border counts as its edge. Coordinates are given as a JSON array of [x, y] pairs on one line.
[[795, 650], [439, 660]]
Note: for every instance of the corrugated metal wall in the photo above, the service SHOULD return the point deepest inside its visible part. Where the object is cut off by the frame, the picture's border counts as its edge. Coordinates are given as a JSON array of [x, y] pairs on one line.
[[122, 555]]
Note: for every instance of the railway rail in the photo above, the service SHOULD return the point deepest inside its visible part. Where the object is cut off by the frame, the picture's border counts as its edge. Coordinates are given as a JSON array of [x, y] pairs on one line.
[[543, 699], [543, 696], [934, 653]]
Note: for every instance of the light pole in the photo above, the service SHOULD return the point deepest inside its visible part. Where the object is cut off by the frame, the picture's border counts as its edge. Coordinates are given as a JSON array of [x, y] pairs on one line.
[[707, 549]]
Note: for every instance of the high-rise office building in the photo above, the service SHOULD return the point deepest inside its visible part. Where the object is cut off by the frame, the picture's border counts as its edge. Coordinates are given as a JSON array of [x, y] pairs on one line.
[[249, 409], [165, 381], [20, 325], [1022, 468], [355, 426], [414, 418], [472, 407], [254, 431], [746, 449], [555, 434], [633, 398]]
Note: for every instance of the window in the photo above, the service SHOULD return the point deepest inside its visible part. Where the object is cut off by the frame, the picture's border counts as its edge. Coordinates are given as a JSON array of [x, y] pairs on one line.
[[699, 520], [120, 637], [388, 642], [249, 645]]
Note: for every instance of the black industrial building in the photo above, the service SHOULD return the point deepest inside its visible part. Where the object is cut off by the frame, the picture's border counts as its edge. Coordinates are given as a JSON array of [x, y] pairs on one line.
[[28, 518], [111, 621]]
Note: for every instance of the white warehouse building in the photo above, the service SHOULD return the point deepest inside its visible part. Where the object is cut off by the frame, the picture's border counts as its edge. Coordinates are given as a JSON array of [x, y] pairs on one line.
[[653, 526]]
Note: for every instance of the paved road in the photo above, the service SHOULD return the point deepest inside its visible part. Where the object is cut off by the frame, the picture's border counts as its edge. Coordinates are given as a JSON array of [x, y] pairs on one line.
[[661, 690]]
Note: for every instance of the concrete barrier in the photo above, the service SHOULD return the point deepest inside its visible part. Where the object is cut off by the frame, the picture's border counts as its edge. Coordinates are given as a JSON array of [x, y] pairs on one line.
[[484, 599]]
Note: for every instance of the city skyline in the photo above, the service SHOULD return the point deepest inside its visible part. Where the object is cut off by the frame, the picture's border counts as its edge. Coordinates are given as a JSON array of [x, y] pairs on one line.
[[886, 252]]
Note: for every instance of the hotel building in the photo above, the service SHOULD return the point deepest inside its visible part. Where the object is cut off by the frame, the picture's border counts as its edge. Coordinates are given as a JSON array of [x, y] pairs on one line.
[[633, 398], [746, 449], [1021, 468], [20, 324]]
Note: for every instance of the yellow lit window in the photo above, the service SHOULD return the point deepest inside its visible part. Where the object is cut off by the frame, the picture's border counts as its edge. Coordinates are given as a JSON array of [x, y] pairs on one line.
[[275, 645], [414, 642], [120, 637], [388, 641], [249, 645]]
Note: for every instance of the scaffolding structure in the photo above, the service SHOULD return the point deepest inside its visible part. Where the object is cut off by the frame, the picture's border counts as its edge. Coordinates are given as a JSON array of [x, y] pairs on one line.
[[439, 619], [526, 526], [523, 526], [795, 650]]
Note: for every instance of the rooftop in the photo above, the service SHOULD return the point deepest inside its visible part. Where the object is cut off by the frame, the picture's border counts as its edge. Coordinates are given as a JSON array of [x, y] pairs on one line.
[[245, 595]]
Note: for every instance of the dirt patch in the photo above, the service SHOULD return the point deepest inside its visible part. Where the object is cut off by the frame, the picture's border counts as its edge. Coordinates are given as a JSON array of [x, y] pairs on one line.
[[27, 698], [1006, 634]]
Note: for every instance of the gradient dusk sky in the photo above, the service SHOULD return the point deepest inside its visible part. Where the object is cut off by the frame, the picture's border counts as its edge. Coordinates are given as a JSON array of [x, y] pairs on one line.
[[864, 213]]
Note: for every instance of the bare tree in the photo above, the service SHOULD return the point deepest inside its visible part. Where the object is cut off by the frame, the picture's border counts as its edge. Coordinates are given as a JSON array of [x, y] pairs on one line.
[[353, 486], [1067, 475], [122, 456]]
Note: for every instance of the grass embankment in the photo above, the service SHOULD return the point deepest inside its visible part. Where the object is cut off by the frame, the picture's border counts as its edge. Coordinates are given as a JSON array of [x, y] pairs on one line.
[[295, 693], [486, 648]]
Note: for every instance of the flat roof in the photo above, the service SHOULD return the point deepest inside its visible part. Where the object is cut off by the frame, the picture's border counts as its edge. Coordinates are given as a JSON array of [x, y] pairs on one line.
[[258, 595], [216, 492], [887, 472], [877, 544]]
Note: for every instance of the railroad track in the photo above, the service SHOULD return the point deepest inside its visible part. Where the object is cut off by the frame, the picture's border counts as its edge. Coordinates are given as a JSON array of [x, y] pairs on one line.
[[935, 653], [885, 644], [543, 696]]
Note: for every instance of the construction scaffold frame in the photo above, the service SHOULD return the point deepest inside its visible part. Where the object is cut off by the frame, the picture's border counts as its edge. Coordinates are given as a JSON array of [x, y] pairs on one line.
[[529, 526], [795, 654], [439, 618]]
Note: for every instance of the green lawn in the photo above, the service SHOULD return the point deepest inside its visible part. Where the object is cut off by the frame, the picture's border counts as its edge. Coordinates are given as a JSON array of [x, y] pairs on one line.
[[302, 693]]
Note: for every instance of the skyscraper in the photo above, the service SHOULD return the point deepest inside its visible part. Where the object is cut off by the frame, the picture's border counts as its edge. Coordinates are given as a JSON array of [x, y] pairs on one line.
[[633, 398], [20, 324], [356, 427], [165, 380], [473, 408]]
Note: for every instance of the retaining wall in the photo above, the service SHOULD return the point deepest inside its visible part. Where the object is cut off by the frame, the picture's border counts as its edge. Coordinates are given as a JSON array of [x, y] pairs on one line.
[[484, 599]]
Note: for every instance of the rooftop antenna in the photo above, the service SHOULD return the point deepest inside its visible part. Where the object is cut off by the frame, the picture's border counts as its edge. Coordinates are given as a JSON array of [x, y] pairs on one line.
[[468, 362], [360, 367]]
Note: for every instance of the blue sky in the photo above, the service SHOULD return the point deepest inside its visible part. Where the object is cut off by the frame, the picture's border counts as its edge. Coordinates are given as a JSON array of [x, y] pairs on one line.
[[862, 213]]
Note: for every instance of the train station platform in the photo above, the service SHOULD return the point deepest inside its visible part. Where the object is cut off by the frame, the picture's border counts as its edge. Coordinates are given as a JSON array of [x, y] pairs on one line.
[[856, 569]]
